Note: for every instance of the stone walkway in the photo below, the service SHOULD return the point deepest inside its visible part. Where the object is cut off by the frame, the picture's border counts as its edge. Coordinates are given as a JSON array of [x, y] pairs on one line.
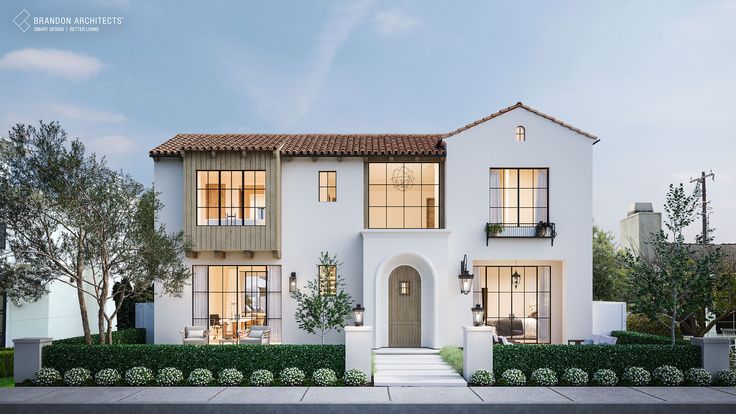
[[413, 367], [306, 400]]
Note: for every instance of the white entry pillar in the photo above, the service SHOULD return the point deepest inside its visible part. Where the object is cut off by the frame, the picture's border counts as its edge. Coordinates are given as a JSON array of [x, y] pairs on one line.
[[477, 349], [358, 351], [714, 353], [27, 357]]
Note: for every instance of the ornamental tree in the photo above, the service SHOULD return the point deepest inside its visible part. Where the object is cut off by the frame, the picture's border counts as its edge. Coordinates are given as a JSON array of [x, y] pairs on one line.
[[325, 304]]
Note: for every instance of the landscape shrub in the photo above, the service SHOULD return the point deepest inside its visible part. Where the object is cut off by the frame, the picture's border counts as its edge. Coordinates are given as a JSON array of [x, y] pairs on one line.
[[292, 376], [123, 336], [574, 377], [355, 378], [512, 377], [543, 377], [604, 378], [169, 377], [200, 377], [138, 376], [244, 358], [667, 375], [77, 377], [324, 377], [483, 378], [6, 363], [698, 377], [726, 378], [635, 377], [642, 338], [261, 378], [47, 376], [591, 358], [107, 377], [641, 323], [230, 377]]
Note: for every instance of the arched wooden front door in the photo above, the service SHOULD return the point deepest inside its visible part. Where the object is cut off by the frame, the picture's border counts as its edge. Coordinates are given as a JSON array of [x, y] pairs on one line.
[[404, 308]]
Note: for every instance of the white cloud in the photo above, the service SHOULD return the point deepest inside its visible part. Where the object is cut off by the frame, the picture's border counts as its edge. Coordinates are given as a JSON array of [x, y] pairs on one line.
[[71, 111], [111, 145], [53, 62], [392, 22]]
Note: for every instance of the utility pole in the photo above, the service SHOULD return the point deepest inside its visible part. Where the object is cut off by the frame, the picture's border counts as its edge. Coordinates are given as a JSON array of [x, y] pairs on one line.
[[700, 192]]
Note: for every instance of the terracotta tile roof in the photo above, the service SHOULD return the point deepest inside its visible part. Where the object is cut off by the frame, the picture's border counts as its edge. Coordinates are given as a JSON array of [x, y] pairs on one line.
[[331, 144], [532, 110]]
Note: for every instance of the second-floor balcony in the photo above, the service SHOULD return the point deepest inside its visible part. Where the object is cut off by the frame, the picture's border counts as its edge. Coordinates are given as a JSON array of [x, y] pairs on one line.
[[539, 230]]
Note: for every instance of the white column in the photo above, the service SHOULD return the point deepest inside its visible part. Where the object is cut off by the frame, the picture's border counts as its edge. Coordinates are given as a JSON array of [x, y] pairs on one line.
[[714, 353], [358, 350], [477, 349], [27, 357]]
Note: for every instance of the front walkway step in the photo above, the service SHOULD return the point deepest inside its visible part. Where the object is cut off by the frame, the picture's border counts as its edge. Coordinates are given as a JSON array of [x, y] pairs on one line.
[[413, 367]]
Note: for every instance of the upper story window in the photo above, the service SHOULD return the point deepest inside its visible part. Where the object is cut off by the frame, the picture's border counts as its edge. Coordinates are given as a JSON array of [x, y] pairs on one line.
[[519, 196], [520, 133], [231, 198], [327, 280], [328, 186], [404, 195]]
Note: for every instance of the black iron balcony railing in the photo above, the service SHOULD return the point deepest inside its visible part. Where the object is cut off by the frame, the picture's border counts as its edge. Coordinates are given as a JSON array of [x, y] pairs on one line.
[[540, 230]]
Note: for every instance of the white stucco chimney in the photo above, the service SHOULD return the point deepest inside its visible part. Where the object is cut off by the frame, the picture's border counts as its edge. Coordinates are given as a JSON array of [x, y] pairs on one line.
[[637, 227]]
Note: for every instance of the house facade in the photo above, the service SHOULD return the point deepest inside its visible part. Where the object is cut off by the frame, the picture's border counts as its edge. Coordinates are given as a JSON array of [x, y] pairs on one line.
[[511, 192]]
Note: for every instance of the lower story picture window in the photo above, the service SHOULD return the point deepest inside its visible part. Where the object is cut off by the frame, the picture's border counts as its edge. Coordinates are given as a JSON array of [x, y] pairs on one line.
[[229, 300]]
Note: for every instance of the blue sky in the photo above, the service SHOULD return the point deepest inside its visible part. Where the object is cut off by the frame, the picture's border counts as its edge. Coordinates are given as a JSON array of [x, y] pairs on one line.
[[655, 80]]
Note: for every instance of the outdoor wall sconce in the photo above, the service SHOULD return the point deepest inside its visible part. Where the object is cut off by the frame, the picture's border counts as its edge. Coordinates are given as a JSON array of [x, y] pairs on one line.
[[292, 282], [358, 312], [466, 278], [477, 314]]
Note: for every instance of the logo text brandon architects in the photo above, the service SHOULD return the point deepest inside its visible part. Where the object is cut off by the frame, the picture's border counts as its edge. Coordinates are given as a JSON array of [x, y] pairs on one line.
[[61, 24]]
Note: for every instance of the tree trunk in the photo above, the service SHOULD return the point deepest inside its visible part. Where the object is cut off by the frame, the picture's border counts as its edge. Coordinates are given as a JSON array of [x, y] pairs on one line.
[[79, 281], [673, 326]]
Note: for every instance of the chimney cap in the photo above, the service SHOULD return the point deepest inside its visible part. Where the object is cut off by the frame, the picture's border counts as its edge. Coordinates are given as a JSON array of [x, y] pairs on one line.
[[640, 207]]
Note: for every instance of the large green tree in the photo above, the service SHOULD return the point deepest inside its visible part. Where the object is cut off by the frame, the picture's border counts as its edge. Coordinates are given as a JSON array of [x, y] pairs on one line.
[[609, 272], [73, 220]]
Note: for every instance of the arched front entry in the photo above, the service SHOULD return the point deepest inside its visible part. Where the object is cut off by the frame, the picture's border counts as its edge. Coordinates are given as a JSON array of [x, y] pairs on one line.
[[405, 308]]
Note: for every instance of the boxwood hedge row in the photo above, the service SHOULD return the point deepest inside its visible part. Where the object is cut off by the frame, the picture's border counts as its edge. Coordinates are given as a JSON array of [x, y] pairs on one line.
[[245, 358], [640, 338], [6, 362], [591, 358], [123, 336]]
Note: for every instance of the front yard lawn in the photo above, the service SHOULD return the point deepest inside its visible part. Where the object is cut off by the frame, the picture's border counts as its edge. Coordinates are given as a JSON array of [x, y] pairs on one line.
[[7, 382]]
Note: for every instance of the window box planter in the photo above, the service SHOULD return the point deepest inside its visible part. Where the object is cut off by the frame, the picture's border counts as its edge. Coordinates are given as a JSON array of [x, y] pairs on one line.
[[540, 230]]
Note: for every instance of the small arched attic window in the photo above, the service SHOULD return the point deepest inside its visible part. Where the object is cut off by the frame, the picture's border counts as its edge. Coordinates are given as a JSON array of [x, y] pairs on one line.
[[520, 134]]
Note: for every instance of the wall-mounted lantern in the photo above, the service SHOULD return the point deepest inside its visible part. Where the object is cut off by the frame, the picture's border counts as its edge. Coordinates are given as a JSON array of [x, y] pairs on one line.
[[466, 278], [292, 282], [358, 313], [515, 279], [477, 314]]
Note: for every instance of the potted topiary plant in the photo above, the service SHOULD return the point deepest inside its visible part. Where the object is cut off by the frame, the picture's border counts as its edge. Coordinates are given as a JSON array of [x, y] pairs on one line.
[[543, 229], [493, 229]]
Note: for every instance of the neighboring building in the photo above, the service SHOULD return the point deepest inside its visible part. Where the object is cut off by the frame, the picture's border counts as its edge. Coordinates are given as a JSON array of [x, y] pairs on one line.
[[401, 211]]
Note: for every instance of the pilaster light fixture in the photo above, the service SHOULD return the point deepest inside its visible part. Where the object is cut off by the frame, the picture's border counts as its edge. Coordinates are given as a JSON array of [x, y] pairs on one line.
[[478, 312], [466, 278], [292, 282], [358, 313]]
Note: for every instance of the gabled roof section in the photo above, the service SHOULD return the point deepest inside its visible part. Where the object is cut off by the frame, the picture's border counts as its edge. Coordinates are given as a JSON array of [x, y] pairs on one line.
[[530, 109]]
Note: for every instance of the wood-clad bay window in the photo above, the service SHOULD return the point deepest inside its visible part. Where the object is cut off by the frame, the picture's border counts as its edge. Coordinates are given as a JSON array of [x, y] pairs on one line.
[[404, 195], [231, 198]]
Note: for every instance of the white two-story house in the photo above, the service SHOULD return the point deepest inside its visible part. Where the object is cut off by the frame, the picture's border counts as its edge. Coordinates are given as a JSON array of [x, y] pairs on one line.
[[512, 192]]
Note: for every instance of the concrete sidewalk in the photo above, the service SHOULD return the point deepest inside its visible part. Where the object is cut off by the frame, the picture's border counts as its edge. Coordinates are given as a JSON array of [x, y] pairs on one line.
[[304, 400]]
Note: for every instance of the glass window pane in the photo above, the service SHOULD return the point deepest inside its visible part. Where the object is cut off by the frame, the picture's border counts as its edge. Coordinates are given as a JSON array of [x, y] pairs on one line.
[[526, 178], [413, 218], [526, 198], [492, 278], [260, 179], [323, 194], [331, 194], [202, 217], [518, 304], [213, 178], [377, 173], [215, 278], [510, 216], [332, 178], [430, 217], [250, 179], [431, 173], [430, 195], [413, 196], [260, 198], [510, 178], [377, 195], [504, 274], [526, 216], [510, 197], [412, 174], [395, 217], [323, 179], [377, 217], [201, 179], [394, 196], [212, 217]]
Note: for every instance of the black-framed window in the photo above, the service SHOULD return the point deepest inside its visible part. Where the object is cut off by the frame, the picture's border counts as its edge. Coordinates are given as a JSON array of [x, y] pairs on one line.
[[519, 196], [404, 287], [231, 198], [520, 311], [404, 195], [328, 186], [520, 134], [327, 280]]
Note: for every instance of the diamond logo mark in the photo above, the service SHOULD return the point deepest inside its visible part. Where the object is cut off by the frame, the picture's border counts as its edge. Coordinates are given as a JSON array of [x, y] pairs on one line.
[[21, 20]]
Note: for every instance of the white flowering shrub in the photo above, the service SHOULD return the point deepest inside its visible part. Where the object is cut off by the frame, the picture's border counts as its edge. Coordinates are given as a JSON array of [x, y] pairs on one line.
[[543, 377], [574, 377], [169, 377], [512, 377], [138, 376], [355, 378], [230, 377], [292, 376], [726, 378], [46, 377], [201, 377], [604, 378], [635, 377], [261, 378], [667, 375], [324, 377], [107, 377], [483, 378], [698, 377], [76, 377]]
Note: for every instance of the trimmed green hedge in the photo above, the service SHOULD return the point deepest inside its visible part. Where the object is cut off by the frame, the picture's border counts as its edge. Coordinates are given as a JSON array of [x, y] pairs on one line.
[[123, 336], [591, 358], [6, 363], [640, 338], [245, 358]]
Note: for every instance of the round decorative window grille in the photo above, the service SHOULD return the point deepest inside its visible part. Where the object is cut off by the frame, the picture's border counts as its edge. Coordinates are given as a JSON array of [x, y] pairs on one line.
[[403, 178]]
